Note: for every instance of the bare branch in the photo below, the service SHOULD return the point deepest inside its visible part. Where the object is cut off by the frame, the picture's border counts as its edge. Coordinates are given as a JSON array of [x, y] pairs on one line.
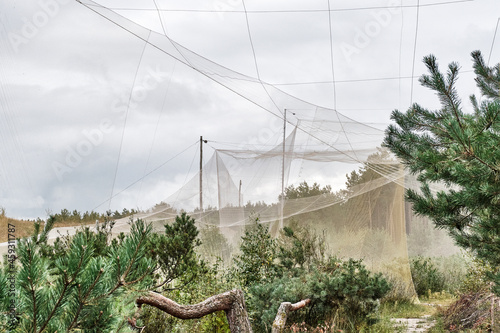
[[232, 302], [282, 315]]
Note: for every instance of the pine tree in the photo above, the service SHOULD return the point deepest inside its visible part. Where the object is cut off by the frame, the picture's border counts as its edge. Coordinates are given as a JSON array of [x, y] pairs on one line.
[[90, 282], [79, 291], [174, 251], [258, 249], [458, 149], [303, 190]]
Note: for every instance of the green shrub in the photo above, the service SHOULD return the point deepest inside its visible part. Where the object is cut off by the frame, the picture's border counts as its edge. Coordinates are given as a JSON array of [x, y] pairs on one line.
[[477, 278], [346, 288], [258, 254], [299, 248], [426, 277], [339, 287], [454, 269], [264, 300], [174, 251]]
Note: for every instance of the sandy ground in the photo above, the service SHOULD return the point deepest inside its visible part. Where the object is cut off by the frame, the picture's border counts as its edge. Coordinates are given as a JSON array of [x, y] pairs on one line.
[[121, 225], [414, 324]]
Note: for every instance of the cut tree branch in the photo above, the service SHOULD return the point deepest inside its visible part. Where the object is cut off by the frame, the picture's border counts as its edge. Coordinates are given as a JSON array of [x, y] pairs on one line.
[[232, 302], [282, 315]]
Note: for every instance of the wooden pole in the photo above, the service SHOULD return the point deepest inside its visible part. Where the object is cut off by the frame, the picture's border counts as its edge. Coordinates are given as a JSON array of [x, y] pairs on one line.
[[239, 195], [201, 174], [283, 173]]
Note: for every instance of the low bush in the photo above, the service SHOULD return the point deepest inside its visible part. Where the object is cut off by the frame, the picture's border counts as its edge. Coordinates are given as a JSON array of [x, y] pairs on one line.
[[343, 293], [426, 277], [477, 277], [264, 300], [454, 269]]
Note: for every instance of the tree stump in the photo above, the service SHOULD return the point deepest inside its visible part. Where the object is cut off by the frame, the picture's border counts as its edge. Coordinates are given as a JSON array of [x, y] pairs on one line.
[[282, 315]]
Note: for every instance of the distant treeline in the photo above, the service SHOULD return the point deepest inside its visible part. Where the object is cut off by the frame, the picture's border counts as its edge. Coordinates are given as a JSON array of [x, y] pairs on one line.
[[65, 216]]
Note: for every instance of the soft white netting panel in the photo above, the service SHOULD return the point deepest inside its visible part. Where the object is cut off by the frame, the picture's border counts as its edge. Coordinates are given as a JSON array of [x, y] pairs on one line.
[[364, 215]]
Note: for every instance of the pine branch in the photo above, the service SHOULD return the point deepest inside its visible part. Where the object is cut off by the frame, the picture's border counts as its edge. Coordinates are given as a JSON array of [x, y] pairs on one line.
[[32, 289], [142, 233], [118, 284], [168, 278], [132, 259], [446, 92], [139, 279], [66, 285], [486, 79], [84, 299]]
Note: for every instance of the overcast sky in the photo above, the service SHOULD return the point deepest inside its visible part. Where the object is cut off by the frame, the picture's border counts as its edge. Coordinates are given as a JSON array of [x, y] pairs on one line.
[[89, 110]]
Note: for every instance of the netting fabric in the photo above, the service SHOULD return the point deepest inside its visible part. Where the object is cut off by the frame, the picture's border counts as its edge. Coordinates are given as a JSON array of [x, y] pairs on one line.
[[328, 175]]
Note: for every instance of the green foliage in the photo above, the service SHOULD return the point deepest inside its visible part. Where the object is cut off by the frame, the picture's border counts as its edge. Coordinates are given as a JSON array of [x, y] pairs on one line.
[[303, 190], [454, 269], [78, 291], [189, 279], [403, 309], [75, 217], [99, 240], [426, 277], [341, 287], [295, 269], [477, 277], [214, 244], [367, 172], [299, 248], [7, 293], [65, 217], [265, 298], [349, 288], [175, 251], [460, 150], [256, 262]]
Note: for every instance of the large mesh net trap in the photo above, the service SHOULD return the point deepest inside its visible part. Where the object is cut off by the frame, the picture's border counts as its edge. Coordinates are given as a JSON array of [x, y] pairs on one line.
[[318, 170]]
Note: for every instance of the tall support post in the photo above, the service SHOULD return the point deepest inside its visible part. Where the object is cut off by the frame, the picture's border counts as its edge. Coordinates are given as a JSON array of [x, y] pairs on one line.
[[201, 174], [239, 195], [219, 202], [370, 211], [283, 172]]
